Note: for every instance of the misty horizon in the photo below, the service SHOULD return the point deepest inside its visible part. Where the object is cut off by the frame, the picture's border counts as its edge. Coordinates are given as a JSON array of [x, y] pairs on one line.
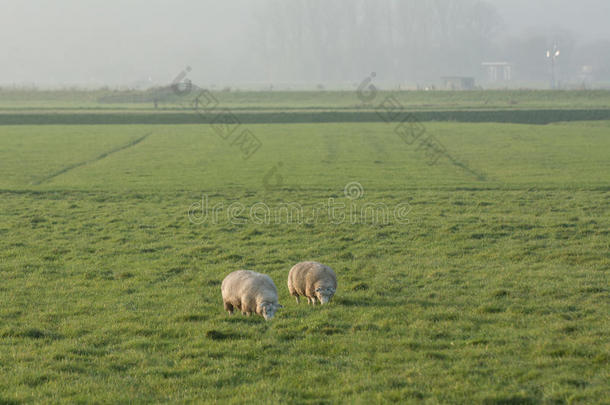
[[144, 44]]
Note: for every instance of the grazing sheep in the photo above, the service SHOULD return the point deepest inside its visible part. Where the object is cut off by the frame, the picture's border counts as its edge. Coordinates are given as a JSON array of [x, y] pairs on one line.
[[313, 280], [250, 292]]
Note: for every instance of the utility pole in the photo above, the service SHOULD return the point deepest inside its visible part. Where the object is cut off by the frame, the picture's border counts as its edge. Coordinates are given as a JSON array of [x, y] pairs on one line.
[[552, 55]]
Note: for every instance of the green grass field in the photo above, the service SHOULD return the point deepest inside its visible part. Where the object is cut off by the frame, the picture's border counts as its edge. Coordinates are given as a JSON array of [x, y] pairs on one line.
[[492, 287], [17, 99]]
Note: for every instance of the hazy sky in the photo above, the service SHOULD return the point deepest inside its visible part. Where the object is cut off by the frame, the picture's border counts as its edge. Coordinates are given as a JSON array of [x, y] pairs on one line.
[[96, 42], [588, 19]]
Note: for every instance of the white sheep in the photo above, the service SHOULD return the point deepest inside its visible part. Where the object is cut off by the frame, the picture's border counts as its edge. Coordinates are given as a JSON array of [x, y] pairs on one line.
[[313, 280], [250, 292]]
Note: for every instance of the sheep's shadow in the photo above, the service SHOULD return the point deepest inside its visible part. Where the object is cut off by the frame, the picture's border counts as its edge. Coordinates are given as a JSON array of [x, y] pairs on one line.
[[241, 319], [214, 334], [362, 302]]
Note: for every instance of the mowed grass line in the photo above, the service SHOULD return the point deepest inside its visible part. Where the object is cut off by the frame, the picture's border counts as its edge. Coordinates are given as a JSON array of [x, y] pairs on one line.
[[320, 157], [493, 292], [100, 157], [29, 155]]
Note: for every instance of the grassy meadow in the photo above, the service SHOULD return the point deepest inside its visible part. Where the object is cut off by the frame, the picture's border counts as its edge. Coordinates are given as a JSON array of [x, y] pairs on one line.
[[91, 100], [490, 287]]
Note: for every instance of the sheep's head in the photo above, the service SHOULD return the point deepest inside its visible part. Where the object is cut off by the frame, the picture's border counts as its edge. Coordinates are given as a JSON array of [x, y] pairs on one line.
[[324, 294], [268, 309]]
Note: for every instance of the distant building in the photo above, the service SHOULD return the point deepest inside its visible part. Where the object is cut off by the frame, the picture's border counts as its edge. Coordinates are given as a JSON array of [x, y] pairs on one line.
[[458, 83], [498, 71]]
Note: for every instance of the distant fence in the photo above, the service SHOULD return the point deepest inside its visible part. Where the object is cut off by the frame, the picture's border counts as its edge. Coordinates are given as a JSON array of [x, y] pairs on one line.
[[189, 117]]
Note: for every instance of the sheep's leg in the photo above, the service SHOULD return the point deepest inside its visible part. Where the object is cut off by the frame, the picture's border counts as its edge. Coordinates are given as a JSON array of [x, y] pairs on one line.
[[229, 308], [297, 298], [243, 307], [313, 301]]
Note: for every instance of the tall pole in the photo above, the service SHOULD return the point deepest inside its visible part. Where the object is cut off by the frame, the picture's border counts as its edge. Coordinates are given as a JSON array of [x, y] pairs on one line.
[[552, 55], [553, 73]]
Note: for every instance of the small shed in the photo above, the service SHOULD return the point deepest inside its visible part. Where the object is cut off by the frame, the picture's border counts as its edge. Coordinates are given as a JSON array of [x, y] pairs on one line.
[[498, 71], [458, 83]]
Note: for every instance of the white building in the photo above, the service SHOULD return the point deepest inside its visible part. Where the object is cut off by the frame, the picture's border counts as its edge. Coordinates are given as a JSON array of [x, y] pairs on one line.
[[498, 71]]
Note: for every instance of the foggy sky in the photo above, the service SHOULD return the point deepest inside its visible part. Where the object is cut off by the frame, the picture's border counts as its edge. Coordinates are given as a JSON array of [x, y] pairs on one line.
[[588, 19], [110, 42]]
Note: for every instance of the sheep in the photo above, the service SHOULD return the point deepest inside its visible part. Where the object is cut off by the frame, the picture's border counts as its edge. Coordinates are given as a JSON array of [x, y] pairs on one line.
[[250, 292], [313, 280]]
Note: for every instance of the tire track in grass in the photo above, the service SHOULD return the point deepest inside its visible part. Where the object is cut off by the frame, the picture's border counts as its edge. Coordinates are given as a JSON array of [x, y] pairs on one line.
[[373, 141], [481, 176], [96, 159], [332, 149]]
